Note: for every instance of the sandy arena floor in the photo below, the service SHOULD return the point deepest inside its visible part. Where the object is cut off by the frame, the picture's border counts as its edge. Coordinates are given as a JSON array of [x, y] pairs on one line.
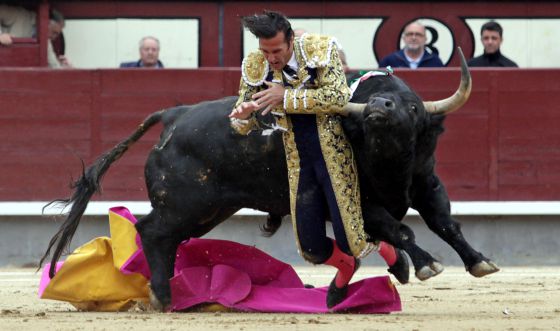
[[513, 299]]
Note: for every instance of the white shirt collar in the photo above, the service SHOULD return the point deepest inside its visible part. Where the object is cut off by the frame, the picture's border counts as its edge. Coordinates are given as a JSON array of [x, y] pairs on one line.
[[413, 63], [293, 63]]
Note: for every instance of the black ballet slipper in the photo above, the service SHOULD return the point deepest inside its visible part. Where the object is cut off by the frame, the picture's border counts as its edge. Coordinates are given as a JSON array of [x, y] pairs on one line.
[[400, 268], [336, 295]]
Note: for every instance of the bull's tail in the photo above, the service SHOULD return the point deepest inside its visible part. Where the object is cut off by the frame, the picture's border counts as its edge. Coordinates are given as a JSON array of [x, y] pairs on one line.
[[85, 187]]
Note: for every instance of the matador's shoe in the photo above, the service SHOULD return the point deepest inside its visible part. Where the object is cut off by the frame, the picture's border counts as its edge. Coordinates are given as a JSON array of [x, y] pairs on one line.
[[400, 269], [336, 295]]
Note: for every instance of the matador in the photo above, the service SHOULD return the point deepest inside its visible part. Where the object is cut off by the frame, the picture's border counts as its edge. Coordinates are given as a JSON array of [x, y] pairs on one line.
[[302, 83]]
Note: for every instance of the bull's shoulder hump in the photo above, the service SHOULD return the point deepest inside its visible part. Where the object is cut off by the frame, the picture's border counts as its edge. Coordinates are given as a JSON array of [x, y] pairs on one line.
[[211, 107], [172, 114], [254, 68], [316, 49]]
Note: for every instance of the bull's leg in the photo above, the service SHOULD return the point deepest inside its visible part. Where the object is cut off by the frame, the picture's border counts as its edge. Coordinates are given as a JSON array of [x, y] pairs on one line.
[[380, 225], [160, 243], [161, 232], [431, 201]]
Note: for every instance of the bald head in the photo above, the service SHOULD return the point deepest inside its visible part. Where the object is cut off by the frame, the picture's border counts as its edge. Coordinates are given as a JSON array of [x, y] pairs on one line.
[[149, 51], [414, 37]]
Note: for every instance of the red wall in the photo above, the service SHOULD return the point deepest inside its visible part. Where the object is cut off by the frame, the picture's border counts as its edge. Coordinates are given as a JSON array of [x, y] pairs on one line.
[[504, 144]]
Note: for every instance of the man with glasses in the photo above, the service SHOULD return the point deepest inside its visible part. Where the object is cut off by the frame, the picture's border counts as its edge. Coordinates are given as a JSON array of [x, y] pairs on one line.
[[414, 54]]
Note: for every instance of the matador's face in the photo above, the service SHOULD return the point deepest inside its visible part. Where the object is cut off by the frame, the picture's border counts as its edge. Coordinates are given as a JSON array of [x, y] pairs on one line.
[[276, 50]]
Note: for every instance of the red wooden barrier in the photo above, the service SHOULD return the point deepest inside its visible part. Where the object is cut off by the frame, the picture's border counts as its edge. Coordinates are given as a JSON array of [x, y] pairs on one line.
[[502, 145]]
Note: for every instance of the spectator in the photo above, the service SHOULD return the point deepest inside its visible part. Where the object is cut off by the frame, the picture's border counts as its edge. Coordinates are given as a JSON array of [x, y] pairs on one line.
[[299, 32], [149, 55], [414, 54], [18, 22], [56, 25], [491, 37]]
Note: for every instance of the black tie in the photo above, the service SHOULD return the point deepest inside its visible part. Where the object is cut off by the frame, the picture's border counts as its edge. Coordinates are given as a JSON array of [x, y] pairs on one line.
[[289, 71]]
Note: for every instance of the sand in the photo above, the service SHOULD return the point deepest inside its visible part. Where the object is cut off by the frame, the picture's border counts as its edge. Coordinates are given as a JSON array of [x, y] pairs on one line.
[[516, 298]]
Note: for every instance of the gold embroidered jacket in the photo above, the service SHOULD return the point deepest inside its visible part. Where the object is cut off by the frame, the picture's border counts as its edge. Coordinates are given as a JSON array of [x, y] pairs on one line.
[[323, 96]]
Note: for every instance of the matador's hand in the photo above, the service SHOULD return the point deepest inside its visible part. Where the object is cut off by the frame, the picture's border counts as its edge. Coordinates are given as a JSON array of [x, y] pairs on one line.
[[271, 97], [244, 110]]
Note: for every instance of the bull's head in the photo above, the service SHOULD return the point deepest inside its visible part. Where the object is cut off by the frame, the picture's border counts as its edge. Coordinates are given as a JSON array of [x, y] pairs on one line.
[[444, 106]]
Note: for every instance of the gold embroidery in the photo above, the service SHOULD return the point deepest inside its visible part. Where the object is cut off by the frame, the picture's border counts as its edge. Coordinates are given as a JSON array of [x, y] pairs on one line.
[[330, 94], [254, 69], [292, 160], [340, 164], [316, 49]]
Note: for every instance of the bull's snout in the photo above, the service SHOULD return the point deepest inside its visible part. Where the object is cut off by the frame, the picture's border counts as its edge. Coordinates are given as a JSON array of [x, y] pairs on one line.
[[382, 104], [379, 108]]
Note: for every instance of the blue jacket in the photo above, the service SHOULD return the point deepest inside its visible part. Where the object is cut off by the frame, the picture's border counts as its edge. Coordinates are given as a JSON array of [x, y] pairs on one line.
[[137, 64], [397, 59]]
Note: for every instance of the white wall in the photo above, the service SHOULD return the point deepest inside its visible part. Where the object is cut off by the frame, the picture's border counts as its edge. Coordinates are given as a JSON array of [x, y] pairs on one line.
[[105, 43], [530, 43], [355, 35]]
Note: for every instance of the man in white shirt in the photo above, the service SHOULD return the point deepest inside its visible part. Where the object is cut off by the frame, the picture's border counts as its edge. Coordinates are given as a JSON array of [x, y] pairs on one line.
[[18, 22]]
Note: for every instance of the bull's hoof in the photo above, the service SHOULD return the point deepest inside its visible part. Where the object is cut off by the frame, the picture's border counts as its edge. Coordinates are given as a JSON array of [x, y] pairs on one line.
[[400, 269], [429, 271], [155, 303], [483, 268]]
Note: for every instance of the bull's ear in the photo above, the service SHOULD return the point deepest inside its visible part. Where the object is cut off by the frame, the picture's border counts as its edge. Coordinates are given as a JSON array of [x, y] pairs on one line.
[[352, 107], [460, 96]]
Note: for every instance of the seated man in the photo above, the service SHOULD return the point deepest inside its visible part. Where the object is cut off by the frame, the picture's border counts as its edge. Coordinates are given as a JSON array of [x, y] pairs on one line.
[[149, 55], [491, 37], [414, 54]]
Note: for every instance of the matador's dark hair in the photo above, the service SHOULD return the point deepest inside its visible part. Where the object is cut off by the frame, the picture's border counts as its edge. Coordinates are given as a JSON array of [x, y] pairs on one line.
[[268, 24]]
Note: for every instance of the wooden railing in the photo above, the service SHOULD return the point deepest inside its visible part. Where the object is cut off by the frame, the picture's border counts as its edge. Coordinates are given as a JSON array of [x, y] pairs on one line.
[[503, 145]]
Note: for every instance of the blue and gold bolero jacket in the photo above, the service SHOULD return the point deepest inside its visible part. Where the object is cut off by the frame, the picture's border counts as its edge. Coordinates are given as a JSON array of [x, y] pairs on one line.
[[319, 89]]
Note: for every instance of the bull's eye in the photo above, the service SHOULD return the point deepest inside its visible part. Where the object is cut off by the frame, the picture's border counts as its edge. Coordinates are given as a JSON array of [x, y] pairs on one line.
[[414, 109]]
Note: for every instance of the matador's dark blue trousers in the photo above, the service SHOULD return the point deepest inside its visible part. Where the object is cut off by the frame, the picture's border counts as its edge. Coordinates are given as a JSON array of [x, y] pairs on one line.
[[315, 195]]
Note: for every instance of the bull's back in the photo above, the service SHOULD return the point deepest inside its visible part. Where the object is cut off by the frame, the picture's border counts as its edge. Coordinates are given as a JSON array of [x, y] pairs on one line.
[[200, 154]]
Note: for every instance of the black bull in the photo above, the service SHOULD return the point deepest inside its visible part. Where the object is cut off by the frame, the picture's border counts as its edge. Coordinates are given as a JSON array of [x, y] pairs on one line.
[[201, 172]]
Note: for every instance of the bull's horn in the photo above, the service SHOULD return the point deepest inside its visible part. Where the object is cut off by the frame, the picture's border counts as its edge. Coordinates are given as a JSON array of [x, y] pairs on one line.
[[460, 96], [352, 107]]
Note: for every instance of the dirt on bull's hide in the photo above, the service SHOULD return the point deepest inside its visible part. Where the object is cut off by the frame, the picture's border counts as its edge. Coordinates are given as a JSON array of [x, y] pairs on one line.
[[517, 298]]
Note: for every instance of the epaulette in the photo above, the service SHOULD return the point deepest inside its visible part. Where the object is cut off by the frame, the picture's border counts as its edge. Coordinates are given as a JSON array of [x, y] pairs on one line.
[[316, 49], [254, 69]]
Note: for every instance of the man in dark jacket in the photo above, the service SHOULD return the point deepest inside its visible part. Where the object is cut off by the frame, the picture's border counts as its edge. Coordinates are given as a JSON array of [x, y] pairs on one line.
[[414, 54], [491, 37], [149, 55]]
